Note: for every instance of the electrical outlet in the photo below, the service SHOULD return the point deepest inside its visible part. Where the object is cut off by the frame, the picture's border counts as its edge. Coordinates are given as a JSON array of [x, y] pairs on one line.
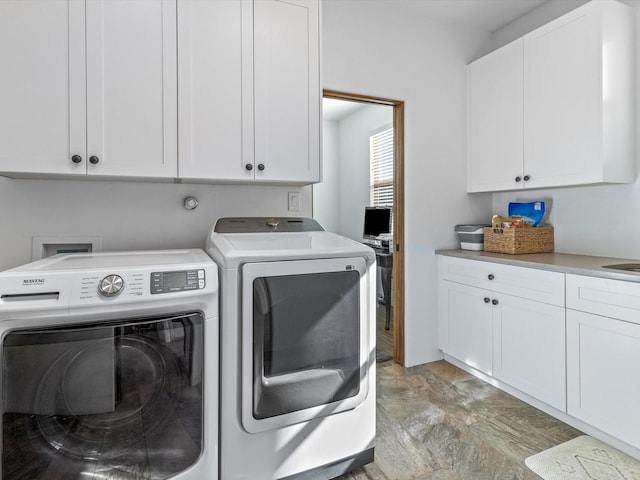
[[294, 201]]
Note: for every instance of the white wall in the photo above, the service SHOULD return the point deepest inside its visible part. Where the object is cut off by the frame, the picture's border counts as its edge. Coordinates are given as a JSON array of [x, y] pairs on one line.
[[599, 220], [370, 48], [350, 180], [127, 215], [355, 165], [326, 195]]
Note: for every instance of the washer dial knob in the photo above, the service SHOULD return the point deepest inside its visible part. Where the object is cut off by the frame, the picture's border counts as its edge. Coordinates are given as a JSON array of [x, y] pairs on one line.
[[111, 285]]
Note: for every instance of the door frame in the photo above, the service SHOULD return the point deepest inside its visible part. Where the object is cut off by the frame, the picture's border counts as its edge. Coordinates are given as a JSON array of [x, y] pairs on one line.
[[398, 210]]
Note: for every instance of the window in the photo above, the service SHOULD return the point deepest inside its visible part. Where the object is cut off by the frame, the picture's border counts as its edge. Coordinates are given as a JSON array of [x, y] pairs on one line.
[[381, 154]]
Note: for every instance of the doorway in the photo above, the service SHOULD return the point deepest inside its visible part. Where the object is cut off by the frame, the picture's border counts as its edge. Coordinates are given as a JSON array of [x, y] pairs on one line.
[[352, 102]]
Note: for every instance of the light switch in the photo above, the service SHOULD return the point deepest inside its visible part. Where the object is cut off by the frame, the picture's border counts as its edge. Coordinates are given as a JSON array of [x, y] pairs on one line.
[[294, 201]]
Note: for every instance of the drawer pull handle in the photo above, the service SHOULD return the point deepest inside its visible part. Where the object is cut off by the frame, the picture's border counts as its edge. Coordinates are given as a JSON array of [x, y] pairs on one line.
[[487, 299], [494, 301], [491, 276]]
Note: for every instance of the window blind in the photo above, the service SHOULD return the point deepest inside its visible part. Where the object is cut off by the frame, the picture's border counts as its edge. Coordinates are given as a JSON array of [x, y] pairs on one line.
[[381, 154]]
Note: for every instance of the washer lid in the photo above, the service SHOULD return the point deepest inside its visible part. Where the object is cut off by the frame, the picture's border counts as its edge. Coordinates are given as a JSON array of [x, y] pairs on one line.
[[266, 224], [132, 259]]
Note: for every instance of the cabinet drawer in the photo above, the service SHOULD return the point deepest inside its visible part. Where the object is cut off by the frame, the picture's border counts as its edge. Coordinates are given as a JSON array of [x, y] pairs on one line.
[[531, 283], [611, 298]]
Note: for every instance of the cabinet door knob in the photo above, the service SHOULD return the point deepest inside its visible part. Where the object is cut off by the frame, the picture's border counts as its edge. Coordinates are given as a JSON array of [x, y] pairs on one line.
[[93, 160], [248, 167], [527, 178], [491, 276], [518, 179], [494, 301], [487, 299], [76, 159], [260, 167]]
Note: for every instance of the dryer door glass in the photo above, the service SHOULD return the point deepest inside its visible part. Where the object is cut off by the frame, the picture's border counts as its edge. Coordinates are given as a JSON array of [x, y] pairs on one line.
[[306, 332], [113, 400]]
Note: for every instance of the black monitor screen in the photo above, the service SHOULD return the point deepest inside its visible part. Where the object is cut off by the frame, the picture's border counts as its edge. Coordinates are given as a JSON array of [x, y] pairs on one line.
[[377, 220]]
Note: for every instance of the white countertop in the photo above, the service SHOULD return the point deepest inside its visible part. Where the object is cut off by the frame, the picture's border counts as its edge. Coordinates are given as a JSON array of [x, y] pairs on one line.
[[557, 262]]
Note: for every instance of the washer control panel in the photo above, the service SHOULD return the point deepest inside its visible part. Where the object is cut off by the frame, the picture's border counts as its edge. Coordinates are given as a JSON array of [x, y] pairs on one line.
[[107, 285], [180, 281]]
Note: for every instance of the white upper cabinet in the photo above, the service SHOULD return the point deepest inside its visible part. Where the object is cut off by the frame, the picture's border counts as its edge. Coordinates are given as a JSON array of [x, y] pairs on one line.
[[123, 88], [42, 87], [494, 119], [215, 89], [104, 106], [249, 91], [577, 105], [132, 88], [578, 119], [287, 90]]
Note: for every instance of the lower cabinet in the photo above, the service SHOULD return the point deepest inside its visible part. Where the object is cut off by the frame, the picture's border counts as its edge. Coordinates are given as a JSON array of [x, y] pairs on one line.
[[529, 348], [466, 325], [569, 341], [603, 356], [507, 322], [518, 341]]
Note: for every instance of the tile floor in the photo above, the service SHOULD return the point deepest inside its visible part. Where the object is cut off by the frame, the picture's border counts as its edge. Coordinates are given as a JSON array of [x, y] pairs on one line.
[[437, 422]]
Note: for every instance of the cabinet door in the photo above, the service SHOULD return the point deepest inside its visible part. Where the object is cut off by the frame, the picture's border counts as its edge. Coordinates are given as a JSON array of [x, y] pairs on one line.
[[42, 87], [215, 89], [287, 90], [603, 385], [466, 324], [529, 348], [494, 129], [132, 87], [563, 100]]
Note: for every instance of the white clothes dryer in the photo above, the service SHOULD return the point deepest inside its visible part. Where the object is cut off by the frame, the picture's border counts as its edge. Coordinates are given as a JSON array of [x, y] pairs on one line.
[[297, 392], [110, 367]]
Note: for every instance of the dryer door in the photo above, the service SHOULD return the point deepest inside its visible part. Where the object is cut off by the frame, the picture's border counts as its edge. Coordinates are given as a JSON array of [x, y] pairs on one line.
[[305, 352]]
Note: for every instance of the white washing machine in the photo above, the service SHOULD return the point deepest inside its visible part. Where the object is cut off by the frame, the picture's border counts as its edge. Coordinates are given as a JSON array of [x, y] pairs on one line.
[[297, 391], [110, 367]]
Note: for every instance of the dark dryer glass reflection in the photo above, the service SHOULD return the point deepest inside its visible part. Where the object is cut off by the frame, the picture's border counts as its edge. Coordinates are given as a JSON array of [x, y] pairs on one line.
[[115, 400], [306, 341]]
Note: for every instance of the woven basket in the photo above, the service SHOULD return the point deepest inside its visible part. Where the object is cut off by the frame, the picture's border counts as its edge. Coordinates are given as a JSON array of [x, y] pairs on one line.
[[519, 240]]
